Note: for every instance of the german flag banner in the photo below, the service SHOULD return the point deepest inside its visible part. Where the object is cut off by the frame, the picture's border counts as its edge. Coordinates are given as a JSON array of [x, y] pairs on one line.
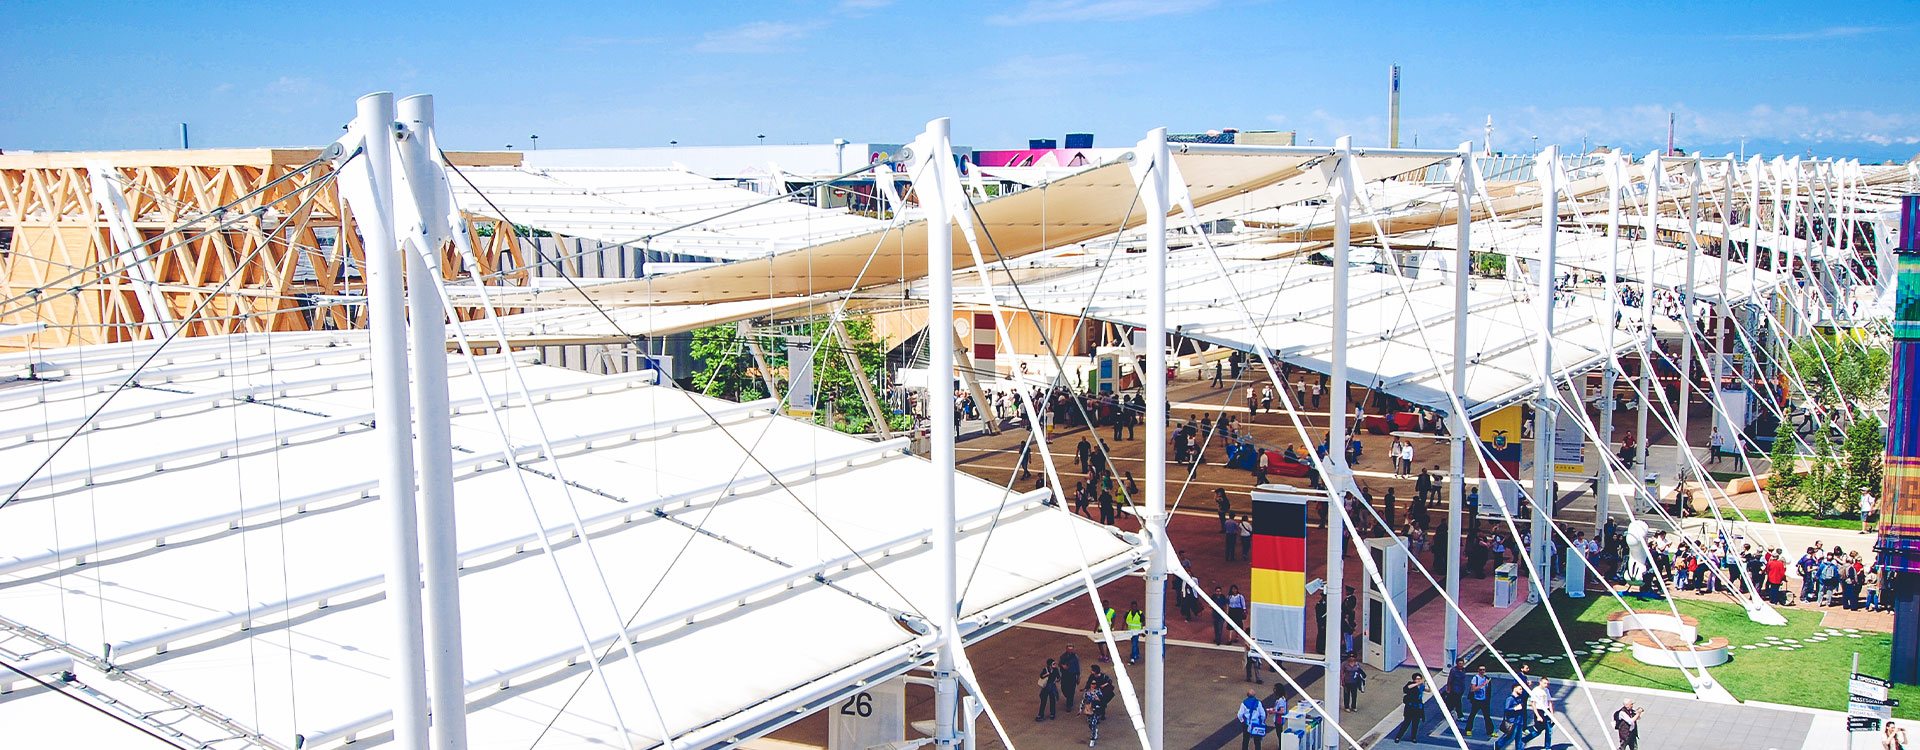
[[1278, 606]]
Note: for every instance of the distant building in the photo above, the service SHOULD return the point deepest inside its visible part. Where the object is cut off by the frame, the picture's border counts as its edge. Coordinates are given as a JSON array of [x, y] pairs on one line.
[[1242, 137]]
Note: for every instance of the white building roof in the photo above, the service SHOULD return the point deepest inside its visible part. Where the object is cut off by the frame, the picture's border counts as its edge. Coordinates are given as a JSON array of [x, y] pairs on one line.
[[246, 577], [632, 204]]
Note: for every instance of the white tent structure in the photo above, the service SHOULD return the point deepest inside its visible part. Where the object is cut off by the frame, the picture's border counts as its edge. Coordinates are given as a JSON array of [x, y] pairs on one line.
[[211, 529], [635, 204]]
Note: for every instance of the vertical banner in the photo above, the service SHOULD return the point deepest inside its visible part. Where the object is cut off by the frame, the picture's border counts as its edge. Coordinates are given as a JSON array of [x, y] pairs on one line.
[[1569, 443], [1899, 546], [800, 400], [870, 718], [1278, 606], [986, 344], [1500, 442]]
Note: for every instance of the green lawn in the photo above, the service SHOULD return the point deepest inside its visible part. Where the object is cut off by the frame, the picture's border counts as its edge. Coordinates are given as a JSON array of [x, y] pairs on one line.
[[1801, 518], [1813, 675]]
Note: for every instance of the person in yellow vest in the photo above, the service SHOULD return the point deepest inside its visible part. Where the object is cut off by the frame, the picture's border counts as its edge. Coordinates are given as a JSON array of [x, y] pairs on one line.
[[1136, 621], [1110, 622]]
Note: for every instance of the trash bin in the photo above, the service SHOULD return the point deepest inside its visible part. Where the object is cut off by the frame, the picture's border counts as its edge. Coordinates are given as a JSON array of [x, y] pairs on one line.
[[1653, 491], [1505, 578]]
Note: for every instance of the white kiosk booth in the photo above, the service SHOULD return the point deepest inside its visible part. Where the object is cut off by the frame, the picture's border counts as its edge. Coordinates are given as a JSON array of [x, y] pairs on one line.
[[1385, 646]]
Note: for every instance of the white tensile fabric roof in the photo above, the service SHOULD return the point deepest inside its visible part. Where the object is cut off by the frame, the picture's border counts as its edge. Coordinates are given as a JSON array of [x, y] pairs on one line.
[[1095, 202], [247, 576], [1291, 303], [630, 204]]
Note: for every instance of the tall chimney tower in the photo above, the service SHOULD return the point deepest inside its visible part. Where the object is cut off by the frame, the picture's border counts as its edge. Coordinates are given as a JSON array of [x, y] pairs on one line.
[[1393, 110]]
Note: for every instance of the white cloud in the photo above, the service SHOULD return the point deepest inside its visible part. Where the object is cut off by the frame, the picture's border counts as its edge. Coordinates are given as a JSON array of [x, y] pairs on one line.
[[861, 7], [1830, 32], [289, 86], [1050, 69], [1069, 11], [759, 36]]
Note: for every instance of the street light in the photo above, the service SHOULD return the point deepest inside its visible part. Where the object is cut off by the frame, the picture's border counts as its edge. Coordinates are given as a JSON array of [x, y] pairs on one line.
[[536, 143], [1536, 143], [763, 139], [673, 143]]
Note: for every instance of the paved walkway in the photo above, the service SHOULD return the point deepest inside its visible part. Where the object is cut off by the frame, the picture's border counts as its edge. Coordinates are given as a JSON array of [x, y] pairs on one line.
[[1673, 721]]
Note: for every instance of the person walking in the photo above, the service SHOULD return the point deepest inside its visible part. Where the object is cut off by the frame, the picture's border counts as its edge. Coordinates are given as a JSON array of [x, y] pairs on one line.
[[1255, 669], [1253, 721], [1355, 681], [1219, 622], [1479, 694], [1540, 703], [1513, 720], [1626, 724], [1090, 708], [1069, 667], [1453, 697], [1216, 375], [1413, 708], [1237, 606], [1049, 692], [1230, 535], [1246, 537], [1136, 624]]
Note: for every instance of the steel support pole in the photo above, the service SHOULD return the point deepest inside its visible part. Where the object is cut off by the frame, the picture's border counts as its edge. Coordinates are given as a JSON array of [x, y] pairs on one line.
[[1603, 481], [1547, 165], [439, 547], [1681, 449], [1458, 425], [1159, 201], [940, 406], [1646, 380], [393, 419], [1337, 435]]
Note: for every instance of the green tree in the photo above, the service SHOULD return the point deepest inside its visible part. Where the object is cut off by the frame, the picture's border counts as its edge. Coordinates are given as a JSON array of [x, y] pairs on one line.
[[1783, 486], [834, 381], [1838, 373], [1865, 446], [726, 367]]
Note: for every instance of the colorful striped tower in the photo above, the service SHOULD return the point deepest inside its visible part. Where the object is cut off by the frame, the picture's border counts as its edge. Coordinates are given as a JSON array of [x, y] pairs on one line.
[[1899, 543], [1279, 602]]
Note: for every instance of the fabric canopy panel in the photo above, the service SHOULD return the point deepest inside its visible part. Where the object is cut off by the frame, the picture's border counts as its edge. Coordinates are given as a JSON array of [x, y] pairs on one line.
[[639, 205], [1291, 303], [247, 577], [1096, 202]]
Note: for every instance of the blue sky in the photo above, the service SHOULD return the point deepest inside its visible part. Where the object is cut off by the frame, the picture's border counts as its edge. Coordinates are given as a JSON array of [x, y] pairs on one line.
[[1836, 78]]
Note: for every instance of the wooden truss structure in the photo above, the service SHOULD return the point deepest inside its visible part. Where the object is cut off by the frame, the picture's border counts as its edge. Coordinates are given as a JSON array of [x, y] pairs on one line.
[[292, 250]]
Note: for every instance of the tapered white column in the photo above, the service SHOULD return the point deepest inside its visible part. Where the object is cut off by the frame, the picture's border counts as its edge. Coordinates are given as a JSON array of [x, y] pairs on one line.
[[1547, 166], [1603, 482], [1458, 426], [1159, 202], [1342, 191], [439, 548], [1682, 451], [1655, 172], [940, 408], [393, 422]]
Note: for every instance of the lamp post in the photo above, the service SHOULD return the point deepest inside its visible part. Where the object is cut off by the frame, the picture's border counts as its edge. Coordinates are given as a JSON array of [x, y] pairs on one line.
[[1536, 144], [763, 139], [536, 143]]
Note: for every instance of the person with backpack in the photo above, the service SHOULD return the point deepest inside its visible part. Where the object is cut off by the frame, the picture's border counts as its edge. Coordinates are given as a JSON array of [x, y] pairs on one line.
[[1479, 696], [1626, 724], [1253, 721]]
